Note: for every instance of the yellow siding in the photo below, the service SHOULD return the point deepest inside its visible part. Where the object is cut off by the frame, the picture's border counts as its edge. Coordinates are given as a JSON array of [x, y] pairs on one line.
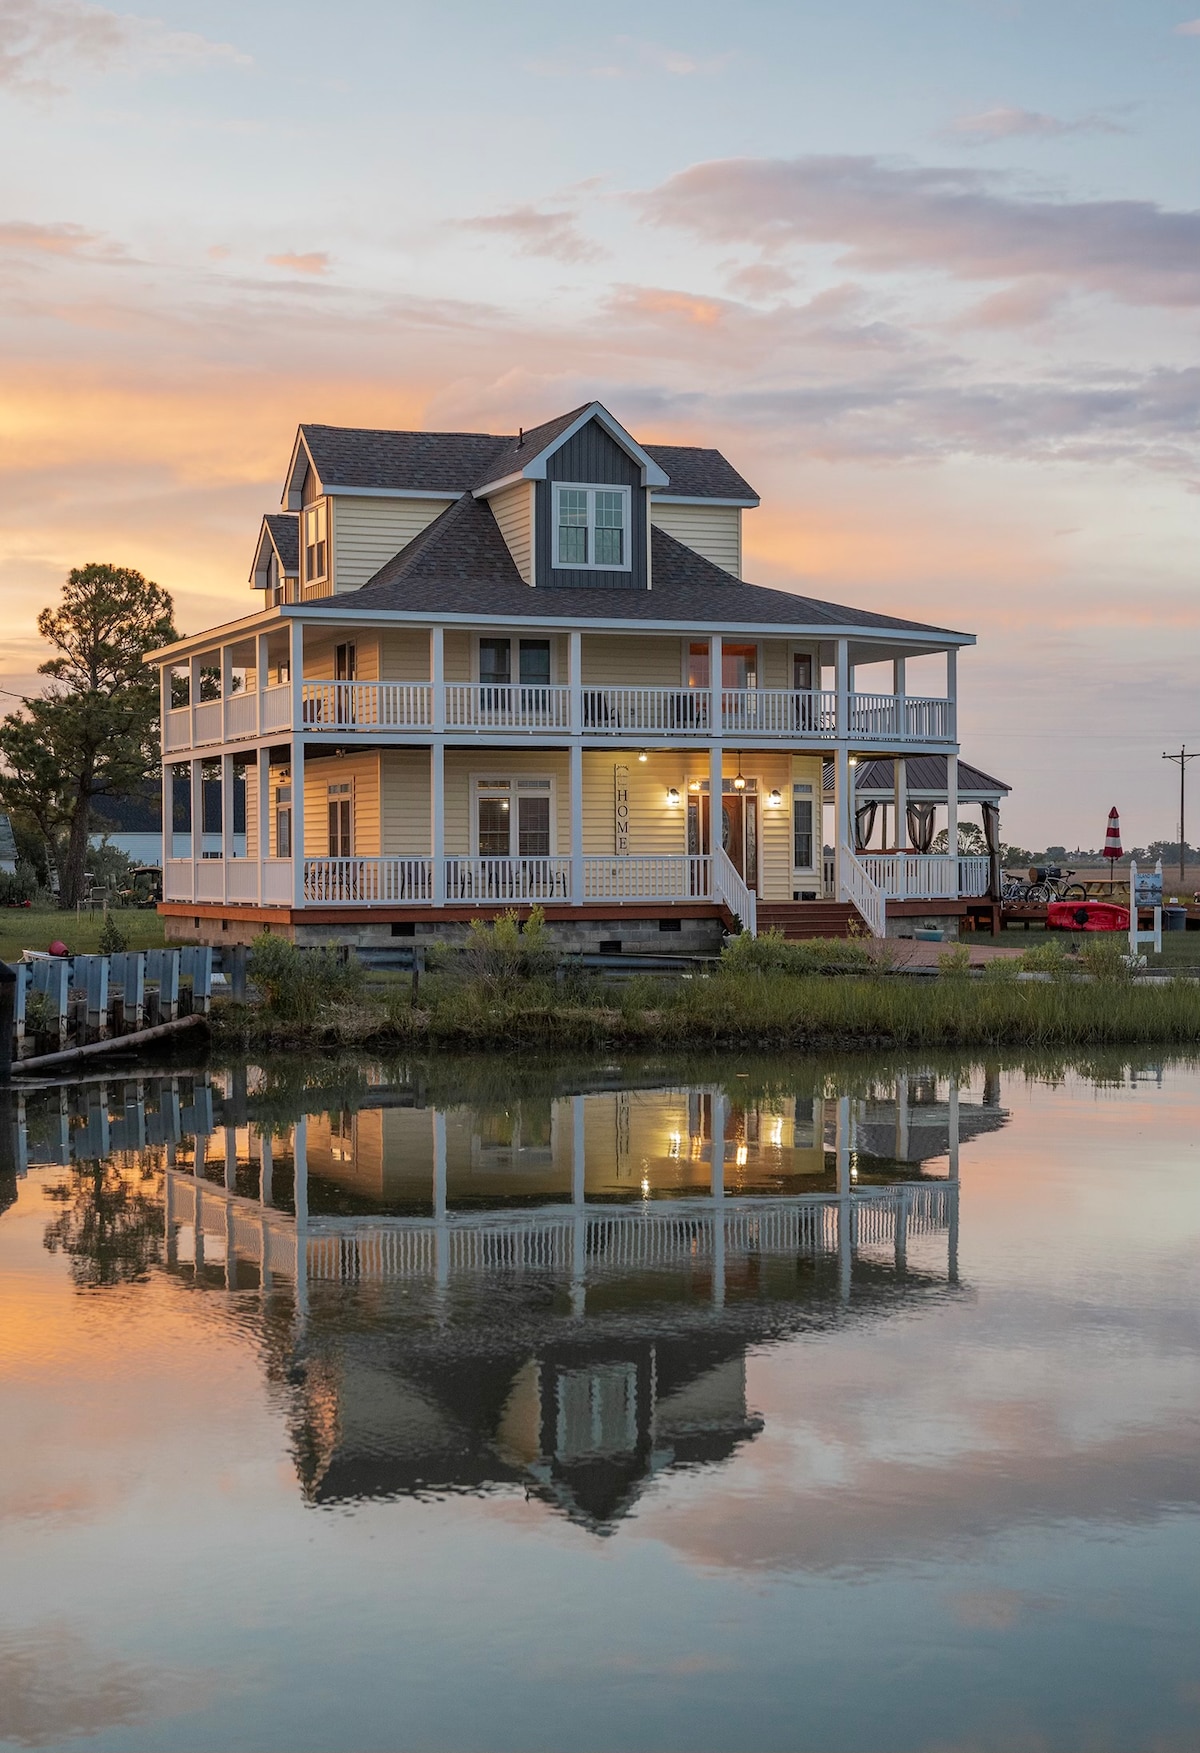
[[405, 813], [368, 532], [776, 668], [806, 770], [319, 654], [503, 764], [513, 511], [712, 530], [773, 772], [359, 770], [456, 655], [631, 660], [655, 826], [252, 809], [405, 655]]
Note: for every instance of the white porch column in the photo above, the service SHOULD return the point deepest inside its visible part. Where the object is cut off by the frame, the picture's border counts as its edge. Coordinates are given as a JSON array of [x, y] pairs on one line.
[[716, 803], [193, 692], [296, 655], [298, 821], [263, 758], [576, 789], [262, 670], [437, 817], [575, 678], [842, 684], [226, 819], [715, 716], [437, 676], [168, 809], [952, 821], [952, 691], [900, 690], [226, 686], [841, 804], [197, 774]]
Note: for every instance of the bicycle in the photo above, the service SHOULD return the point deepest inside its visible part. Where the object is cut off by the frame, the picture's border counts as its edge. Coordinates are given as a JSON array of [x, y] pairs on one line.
[[1051, 883]]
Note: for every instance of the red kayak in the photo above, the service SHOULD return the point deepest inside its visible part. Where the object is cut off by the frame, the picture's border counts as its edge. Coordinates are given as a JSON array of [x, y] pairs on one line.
[[1087, 916]]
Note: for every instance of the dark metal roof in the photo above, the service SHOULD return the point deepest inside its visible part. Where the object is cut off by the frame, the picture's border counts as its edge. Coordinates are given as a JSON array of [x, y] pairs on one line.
[[284, 528], [460, 564], [925, 773], [458, 462]]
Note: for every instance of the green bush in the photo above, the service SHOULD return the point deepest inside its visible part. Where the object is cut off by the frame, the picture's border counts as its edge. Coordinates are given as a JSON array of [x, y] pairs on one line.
[[1105, 958], [19, 886], [955, 963], [509, 951], [772, 953], [300, 985], [1047, 958]]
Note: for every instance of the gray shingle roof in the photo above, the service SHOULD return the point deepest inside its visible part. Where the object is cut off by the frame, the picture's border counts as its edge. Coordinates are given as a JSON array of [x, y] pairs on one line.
[[285, 533], [458, 462], [925, 773], [460, 564]]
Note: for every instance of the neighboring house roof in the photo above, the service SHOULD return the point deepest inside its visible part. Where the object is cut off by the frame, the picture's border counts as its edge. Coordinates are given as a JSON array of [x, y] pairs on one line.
[[459, 462], [284, 530], [460, 564], [926, 773]]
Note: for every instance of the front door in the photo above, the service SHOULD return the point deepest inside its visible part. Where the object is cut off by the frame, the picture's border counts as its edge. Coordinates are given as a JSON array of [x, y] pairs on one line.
[[739, 832]]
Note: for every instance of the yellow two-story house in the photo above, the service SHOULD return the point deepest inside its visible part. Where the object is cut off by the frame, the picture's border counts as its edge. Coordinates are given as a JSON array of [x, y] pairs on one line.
[[492, 671]]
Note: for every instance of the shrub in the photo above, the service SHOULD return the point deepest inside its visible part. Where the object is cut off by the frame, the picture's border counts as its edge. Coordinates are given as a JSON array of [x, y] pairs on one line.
[[18, 887], [772, 953], [298, 985], [508, 952], [1046, 958], [112, 939], [1106, 959], [955, 963]]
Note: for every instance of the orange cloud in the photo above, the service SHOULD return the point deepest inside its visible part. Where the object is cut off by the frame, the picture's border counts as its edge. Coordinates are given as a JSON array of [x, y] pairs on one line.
[[309, 262]]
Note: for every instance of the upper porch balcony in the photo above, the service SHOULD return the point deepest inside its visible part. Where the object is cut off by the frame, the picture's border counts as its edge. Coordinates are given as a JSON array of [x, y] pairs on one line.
[[508, 709]]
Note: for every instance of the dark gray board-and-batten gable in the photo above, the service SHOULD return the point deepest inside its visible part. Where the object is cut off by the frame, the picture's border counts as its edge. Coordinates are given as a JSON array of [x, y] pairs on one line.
[[592, 458]]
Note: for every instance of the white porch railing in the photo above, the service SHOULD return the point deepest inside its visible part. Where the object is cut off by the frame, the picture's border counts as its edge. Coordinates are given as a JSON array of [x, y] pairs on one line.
[[507, 706], [206, 722], [676, 876], [896, 718], [780, 712], [368, 705], [363, 882], [646, 711], [177, 729], [498, 880], [916, 876], [732, 892], [277, 707], [241, 715], [859, 886]]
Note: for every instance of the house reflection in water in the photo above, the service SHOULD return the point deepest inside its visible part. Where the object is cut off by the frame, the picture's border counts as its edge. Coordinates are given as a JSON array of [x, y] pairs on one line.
[[553, 1289]]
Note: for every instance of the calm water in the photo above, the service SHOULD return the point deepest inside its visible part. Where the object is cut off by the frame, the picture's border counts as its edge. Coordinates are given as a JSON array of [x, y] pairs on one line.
[[644, 1405]]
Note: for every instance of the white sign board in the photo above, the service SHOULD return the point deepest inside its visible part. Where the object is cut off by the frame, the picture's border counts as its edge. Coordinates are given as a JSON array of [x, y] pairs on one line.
[[1145, 890]]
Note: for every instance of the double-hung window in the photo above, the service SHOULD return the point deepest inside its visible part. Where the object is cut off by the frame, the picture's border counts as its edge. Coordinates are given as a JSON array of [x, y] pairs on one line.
[[514, 818], [591, 528], [802, 827]]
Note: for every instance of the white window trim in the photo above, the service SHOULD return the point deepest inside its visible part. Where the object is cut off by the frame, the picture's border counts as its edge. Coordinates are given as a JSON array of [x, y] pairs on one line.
[[512, 780], [796, 648], [591, 488], [514, 658], [812, 800]]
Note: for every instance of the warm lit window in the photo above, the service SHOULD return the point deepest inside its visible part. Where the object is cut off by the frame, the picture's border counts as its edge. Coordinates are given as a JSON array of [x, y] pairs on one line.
[[591, 528], [802, 827], [316, 542], [739, 665], [514, 818], [341, 824]]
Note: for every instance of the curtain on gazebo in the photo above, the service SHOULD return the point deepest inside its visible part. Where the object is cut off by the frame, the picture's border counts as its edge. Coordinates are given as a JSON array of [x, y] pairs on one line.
[[864, 825], [920, 826], [991, 836]]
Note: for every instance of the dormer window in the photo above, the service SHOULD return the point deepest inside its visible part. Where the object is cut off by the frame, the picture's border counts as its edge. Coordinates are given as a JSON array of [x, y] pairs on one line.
[[316, 549], [591, 528]]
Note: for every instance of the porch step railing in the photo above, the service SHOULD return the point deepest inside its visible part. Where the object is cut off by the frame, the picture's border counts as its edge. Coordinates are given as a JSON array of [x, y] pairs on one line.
[[730, 889], [917, 876], [859, 886]]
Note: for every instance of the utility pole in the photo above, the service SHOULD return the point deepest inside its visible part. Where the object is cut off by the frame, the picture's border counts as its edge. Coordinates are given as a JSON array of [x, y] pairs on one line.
[[1183, 757]]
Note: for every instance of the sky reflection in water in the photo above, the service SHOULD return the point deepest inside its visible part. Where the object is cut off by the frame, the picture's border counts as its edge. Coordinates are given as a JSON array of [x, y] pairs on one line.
[[629, 1406]]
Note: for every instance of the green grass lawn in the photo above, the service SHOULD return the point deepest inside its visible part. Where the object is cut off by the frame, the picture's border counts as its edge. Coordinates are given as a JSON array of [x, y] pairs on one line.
[[35, 928], [1180, 949]]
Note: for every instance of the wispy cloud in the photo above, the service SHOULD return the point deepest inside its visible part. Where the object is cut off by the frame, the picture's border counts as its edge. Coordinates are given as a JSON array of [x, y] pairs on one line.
[[957, 221], [1190, 29], [314, 262], [22, 237], [1007, 122], [538, 232], [628, 57], [43, 40]]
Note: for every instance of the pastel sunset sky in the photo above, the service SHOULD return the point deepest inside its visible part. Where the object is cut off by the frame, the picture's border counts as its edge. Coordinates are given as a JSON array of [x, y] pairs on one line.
[[928, 271]]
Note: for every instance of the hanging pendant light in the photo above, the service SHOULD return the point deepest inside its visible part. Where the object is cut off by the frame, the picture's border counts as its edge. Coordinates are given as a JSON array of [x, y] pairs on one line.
[[739, 778]]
